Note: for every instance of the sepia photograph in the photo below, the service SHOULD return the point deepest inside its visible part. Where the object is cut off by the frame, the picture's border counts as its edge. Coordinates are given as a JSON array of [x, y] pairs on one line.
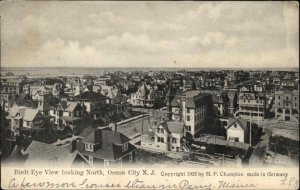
[[168, 90]]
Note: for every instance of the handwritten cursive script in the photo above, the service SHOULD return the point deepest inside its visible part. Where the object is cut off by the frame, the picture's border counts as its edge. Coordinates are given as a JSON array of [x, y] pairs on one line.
[[24, 183]]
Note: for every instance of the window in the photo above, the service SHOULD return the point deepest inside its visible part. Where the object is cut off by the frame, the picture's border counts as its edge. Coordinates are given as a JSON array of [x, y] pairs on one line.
[[295, 98], [70, 114], [160, 139], [161, 130], [278, 103], [188, 110], [278, 97], [174, 140], [188, 128], [54, 111], [295, 104], [89, 147], [235, 125], [188, 118], [124, 147], [287, 98]]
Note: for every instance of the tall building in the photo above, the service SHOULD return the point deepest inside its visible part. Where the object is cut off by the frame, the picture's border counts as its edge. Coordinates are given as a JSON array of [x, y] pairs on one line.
[[252, 106], [287, 105], [191, 108]]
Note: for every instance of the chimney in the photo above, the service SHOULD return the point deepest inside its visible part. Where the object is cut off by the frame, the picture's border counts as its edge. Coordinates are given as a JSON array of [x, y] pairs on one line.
[[183, 101], [73, 145], [114, 126]]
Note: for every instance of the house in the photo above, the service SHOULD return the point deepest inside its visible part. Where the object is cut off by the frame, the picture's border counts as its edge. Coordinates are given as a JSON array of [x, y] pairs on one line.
[[37, 91], [106, 147], [28, 122], [143, 97], [40, 154], [236, 130], [117, 99], [67, 113], [7, 100], [163, 136], [45, 102], [288, 84], [25, 100], [220, 102], [25, 117], [91, 100]]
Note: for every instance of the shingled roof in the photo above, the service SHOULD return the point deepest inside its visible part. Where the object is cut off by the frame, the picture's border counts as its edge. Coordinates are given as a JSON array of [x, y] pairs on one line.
[[89, 95], [241, 122], [111, 142], [48, 155]]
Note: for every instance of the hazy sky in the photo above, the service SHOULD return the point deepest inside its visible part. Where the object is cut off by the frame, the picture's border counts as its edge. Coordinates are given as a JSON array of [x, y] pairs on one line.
[[150, 34]]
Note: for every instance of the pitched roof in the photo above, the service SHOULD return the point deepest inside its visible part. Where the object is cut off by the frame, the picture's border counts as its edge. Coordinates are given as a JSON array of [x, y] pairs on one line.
[[30, 114], [175, 127], [71, 106], [90, 95], [241, 122], [110, 148], [94, 137], [172, 127], [48, 154]]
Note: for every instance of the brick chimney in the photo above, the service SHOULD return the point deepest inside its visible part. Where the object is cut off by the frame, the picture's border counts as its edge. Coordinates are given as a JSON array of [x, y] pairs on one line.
[[73, 146]]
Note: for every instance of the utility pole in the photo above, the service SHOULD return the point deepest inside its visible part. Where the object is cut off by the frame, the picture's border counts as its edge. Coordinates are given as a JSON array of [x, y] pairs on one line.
[[258, 112], [250, 127], [223, 159], [143, 119]]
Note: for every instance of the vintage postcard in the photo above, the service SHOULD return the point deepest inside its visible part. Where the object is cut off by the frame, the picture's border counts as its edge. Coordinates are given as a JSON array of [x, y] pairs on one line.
[[149, 95]]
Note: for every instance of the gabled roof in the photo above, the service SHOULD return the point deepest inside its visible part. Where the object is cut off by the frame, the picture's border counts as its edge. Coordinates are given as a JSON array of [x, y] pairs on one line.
[[241, 122], [172, 127], [70, 106], [175, 127], [23, 96], [30, 114]]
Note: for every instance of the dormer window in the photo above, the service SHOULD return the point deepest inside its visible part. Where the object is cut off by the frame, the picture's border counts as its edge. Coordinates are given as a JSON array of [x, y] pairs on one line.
[[124, 147], [89, 147]]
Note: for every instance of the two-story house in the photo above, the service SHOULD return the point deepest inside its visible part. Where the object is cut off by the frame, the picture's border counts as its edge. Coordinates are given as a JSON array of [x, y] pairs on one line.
[[27, 121], [143, 97], [68, 114], [91, 100], [163, 136], [236, 130]]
